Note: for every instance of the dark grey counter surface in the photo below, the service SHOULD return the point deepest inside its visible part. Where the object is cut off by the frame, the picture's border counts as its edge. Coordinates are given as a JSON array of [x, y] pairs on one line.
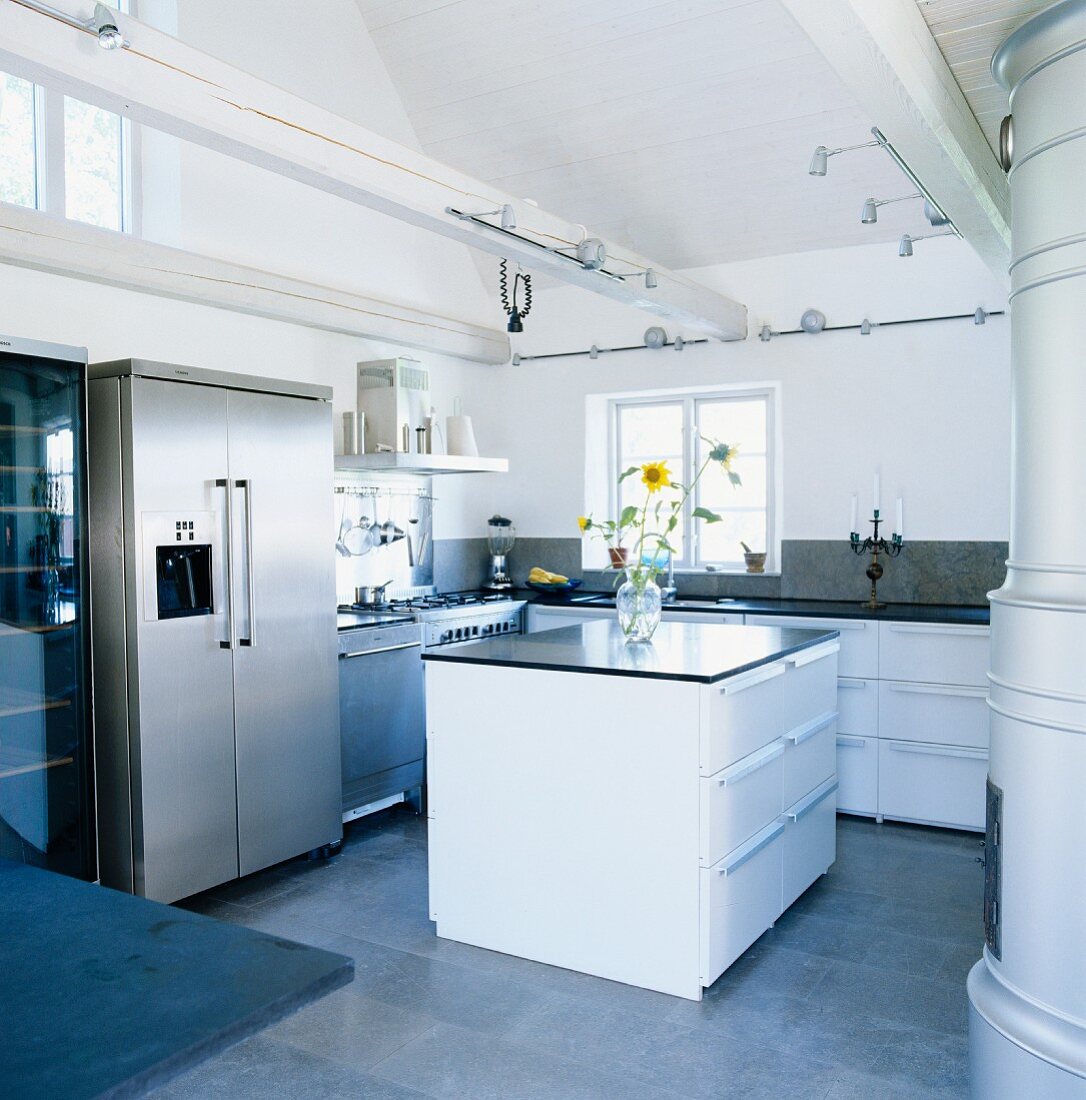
[[815, 609], [107, 995], [701, 653]]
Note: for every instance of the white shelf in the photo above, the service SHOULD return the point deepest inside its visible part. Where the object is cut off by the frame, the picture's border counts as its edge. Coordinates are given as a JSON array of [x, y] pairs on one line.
[[423, 465]]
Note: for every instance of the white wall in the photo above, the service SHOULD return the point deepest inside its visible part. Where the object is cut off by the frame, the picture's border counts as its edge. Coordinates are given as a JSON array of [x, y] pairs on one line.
[[928, 405]]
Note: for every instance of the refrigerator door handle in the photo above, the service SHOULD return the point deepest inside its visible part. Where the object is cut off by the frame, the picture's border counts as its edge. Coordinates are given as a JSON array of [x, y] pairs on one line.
[[224, 484], [247, 485]]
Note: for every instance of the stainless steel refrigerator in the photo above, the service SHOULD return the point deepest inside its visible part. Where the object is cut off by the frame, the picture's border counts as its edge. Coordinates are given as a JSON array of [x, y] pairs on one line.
[[214, 630]]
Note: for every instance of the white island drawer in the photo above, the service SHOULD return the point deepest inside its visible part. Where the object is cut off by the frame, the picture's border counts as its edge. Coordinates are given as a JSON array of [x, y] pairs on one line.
[[740, 801], [810, 756], [811, 683], [857, 774], [740, 899], [740, 715], [857, 706], [936, 784], [859, 640], [810, 841], [934, 653], [935, 713]]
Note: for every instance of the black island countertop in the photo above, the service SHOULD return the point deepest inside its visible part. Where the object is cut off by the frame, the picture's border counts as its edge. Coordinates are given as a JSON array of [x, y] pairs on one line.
[[812, 609], [108, 995], [700, 653]]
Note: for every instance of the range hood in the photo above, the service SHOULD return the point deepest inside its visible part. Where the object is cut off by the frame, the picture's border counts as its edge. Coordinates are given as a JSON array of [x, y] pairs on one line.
[[422, 465]]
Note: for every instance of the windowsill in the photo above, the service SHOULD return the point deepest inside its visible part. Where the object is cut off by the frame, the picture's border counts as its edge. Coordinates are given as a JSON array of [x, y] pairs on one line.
[[692, 572]]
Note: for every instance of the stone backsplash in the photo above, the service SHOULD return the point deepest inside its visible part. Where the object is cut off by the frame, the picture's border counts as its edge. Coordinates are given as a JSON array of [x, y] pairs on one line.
[[925, 572]]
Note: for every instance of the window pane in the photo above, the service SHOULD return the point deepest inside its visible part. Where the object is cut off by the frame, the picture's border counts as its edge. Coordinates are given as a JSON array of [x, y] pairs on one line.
[[715, 491], [720, 542], [92, 164], [741, 422], [17, 162], [650, 433]]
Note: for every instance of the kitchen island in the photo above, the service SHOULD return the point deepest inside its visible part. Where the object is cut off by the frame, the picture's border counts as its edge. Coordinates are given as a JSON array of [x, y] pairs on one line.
[[642, 813]]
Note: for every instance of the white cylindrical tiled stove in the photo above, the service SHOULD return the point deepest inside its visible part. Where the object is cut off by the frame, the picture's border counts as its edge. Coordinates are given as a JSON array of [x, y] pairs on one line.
[[1028, 994]]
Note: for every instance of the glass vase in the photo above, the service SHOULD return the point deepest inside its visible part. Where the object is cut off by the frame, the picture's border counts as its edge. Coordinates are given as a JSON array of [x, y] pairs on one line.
[[639, 605]]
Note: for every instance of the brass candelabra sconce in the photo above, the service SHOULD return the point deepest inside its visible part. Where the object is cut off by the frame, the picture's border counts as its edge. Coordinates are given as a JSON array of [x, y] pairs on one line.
[[874, 545]]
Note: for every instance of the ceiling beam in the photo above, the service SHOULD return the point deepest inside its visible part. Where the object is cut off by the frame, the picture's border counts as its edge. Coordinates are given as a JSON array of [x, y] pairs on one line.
[[162, 83], [62, 247], [885, 54]]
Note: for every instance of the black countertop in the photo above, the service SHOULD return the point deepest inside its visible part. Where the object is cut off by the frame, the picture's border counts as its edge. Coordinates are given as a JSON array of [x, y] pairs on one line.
[[111, 995], [815, 609], [700, 653]]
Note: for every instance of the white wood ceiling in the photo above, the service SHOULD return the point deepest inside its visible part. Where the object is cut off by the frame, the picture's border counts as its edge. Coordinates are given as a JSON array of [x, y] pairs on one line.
[[682, 128], [968, 33]]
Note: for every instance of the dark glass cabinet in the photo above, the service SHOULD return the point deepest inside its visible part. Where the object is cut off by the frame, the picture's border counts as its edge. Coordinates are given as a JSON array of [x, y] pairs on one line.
[[46, 775]]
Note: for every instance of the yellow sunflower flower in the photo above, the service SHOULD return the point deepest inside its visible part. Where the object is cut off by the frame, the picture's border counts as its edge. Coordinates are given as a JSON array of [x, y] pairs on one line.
[[583, 522], [656, 476]]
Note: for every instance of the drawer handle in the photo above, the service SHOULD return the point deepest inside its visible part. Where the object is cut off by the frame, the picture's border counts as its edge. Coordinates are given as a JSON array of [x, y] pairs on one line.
[[802, 808], [843, 682], [759, 676], [383, 649], [751, 764], [945, 628], [753, 848], [851, 742], [939, 750], [809, 656], [808, 624], [805, 733], [940, 689]]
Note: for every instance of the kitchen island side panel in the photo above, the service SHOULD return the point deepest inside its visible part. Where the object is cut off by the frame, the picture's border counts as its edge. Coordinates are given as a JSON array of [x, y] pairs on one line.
[[564, 819]]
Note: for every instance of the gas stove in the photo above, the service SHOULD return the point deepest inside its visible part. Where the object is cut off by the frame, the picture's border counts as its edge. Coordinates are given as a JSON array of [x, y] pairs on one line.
[[450, 617]]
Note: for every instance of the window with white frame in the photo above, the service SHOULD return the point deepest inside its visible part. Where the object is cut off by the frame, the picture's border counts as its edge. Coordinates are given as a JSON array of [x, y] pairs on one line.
[[673, 427], [66, 157]]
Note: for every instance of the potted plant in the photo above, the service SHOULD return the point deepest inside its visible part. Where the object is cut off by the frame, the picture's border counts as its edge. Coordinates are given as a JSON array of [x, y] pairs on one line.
[[650, 526], [755, 559]]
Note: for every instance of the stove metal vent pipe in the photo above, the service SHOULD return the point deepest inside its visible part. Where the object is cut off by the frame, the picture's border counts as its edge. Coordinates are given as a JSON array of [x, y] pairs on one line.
[[1028, 994]]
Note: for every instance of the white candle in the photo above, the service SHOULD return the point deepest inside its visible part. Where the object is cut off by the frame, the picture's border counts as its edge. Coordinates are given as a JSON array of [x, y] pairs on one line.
[[855, 514], [876, 494], [900, 529]]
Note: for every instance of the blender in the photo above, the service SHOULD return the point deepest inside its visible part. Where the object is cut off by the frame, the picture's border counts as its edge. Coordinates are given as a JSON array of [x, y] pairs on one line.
[[500, 536]]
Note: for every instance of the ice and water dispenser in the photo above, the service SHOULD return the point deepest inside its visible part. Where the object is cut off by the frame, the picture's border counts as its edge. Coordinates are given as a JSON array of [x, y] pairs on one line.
[[178, 556]]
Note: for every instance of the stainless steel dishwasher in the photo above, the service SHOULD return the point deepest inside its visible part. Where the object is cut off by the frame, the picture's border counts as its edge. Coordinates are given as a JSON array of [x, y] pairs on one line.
[[382, 712]]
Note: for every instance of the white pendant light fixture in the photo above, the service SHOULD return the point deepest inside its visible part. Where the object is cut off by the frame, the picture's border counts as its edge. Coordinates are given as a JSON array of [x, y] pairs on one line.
[[821, 155], [905, 246], [870, 213]]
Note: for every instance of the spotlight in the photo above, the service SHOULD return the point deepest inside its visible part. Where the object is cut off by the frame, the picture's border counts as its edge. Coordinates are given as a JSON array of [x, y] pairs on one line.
[[766, 334], [812, 321], [655, 337], [865, 327], [650, 280], [980, 317], [592, 253], [678, 343], [934, 215], [508, 215], [870, 213], [821, 154], [509, 219], [905, 248], [105, 23], [593, 352], [515, 323]]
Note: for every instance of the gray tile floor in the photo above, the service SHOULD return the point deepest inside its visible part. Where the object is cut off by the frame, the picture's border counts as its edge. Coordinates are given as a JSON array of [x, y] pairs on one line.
[[858, 992]]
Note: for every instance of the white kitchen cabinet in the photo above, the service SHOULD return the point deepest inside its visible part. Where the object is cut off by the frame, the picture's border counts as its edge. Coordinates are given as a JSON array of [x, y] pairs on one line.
[[857, 706], [908, 682], [934, 653], [948, 714], [858, 774], [550, 617], [653, 849], [859, 656], [932, 784], [721, 618], [810, 840]]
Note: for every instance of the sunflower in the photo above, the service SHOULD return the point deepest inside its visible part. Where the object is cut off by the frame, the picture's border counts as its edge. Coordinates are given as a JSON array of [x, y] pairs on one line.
[[723, 453], [583, 522], [656, 476]]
